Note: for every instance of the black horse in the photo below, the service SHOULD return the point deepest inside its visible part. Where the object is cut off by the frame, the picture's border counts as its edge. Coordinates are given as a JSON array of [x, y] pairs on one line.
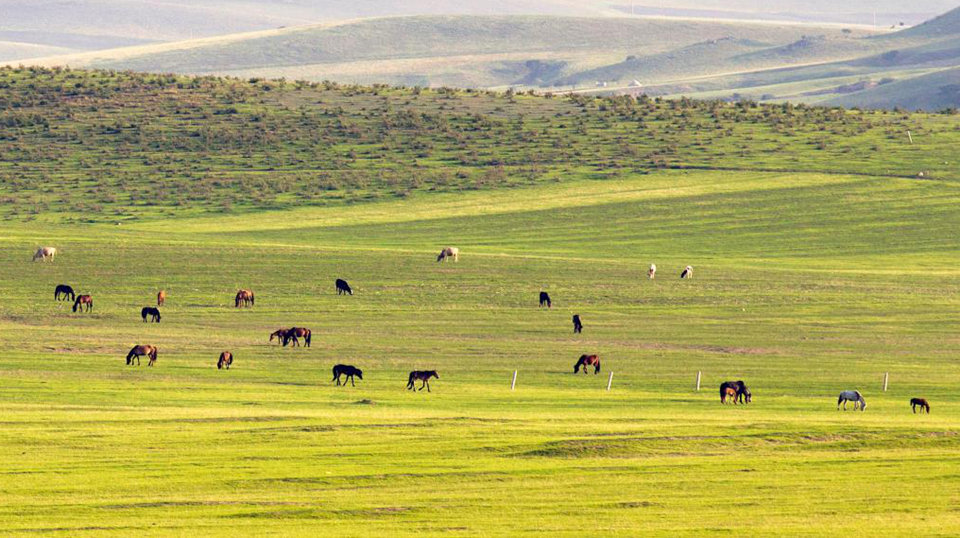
[[423, 376], [348, 371], [64, 291], [151, 311], [343, 287], [545, 299], [577, 325]]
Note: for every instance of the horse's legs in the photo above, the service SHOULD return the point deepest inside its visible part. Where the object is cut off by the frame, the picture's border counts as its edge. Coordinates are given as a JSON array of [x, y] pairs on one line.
[[914, 407], [352, 383], [427, 381]]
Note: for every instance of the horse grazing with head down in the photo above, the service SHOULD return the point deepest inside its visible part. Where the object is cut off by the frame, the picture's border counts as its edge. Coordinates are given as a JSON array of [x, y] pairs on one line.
[[45, 253], [449, 252], [343, 287], [588, 360], [161, 297], [225, 360], [83, 301], [280, 335], [138, 351], [921, 403], [577, 324], [62, 290], [851, 396], [153, 312], [244, 298], [545, 300], [297, 332], [423, 376], [348, 371], [737, 390]]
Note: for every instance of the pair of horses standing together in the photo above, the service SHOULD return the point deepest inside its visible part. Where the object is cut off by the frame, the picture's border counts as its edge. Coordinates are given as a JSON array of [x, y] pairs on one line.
[[284, 336], [736, 391], [80, 302]]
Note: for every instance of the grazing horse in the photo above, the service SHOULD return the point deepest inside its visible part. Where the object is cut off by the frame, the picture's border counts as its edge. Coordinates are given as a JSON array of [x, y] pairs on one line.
[[226, 359], [421, 375], [280, 335], [545, 300], [687, 273], [851, 396], [343, 287], [577, 325], [83, 301], [297, 332], [65, 291], [588, 360], [154, 314], [348, 371], [45, 253], [737, 390], [652, 272], [161, 297], [921, 403], [138, 351], [449, 252], [244, 298]]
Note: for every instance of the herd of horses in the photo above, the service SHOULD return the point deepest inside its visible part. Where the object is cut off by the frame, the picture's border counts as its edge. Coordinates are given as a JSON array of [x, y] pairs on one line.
[[730, 391]]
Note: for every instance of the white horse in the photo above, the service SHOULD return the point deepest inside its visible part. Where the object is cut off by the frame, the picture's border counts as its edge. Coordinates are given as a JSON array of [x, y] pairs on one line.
[[449, 252], [652, 272], [45, 252], [851, 396], [687, 273]]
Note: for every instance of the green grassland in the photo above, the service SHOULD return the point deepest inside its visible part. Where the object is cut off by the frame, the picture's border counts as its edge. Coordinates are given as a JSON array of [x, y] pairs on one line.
[[821, 262]]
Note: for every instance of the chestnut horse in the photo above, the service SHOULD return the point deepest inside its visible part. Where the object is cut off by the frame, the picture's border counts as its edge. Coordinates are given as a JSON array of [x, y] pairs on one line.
[[421, 375], [297, 332], [138, 351], [588, 360], [64, 291], [161, 297], [244, 298], [226, 359], [921, 403], [83, 301]]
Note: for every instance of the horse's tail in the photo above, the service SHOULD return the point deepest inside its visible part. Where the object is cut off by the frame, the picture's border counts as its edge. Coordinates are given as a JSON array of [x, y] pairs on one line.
[[597, 371], [153, 354], [307, 337], [252, 299]]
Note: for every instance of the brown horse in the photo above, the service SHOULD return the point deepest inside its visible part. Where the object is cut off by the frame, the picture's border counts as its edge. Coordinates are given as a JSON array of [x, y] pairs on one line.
[[138, 351], [421, 375], [588, 360], [83, 301], [161, 297], [297, 332], [921, 403], [244, 298], [226, 359], [280, 335]]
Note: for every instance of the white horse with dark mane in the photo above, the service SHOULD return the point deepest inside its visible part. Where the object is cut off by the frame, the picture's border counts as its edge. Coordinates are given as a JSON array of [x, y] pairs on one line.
[[44, 253], [652, 272], [449, 252], [851, 396]]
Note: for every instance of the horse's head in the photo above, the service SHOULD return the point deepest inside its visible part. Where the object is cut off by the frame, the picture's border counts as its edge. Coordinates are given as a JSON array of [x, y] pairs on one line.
[[747, 396], [359, 373], [433, 373], [440, 257]]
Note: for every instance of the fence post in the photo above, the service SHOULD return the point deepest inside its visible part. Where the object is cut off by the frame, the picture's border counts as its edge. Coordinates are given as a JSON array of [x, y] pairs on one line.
[[514, 382], [610, 381], [910, 136], [698, 380], [886, 380]]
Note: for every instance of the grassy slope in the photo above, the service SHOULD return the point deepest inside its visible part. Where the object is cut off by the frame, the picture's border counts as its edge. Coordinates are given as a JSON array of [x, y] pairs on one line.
[[805, 285]]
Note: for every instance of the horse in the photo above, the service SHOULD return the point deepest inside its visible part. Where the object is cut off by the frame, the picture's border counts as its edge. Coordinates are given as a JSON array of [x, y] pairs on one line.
[[138, 351], [421, 375], [154, 314], [226, 359], [244, 298], [736, 389], [43, 253], [652, 272], [343, 287], [588, 360], [161, 297], [280, 335], [687, 273], [545, 300], [81, 301], [577, 325], [921, 403], [449, 252], [295, 332], [65, 291], [851, 396], [348, 371]]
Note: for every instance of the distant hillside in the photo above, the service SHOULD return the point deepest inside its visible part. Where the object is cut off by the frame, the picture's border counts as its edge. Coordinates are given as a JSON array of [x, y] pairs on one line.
[[935, 91], [945, 25]]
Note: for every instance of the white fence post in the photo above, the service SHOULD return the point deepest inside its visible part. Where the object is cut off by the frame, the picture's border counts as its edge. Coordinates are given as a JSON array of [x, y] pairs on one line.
[[610, 381], [886, 380], [514, 382], [698, 380]]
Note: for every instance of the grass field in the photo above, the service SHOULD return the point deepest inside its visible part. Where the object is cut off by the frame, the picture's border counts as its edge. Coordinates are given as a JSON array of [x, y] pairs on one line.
[[805, 285]]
